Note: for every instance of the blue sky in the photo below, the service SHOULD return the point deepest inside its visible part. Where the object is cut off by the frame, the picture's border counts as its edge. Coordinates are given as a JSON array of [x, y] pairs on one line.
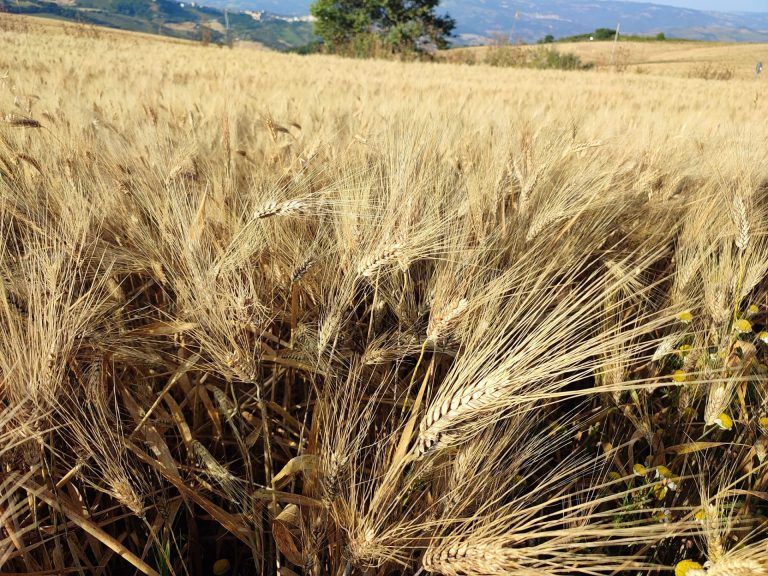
[[721, 5]]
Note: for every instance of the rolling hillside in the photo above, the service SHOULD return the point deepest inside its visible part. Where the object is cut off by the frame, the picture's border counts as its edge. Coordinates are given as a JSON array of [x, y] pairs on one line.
[[529, 20], [187, 20], [284, 24]]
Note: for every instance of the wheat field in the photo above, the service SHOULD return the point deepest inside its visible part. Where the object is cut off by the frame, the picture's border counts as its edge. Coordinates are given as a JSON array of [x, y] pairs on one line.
[[265, 313], [680, 59]]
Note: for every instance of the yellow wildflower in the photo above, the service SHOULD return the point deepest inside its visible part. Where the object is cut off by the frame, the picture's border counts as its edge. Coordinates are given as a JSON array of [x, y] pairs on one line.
[[763, 423], [742, 326], [724, 421], [685, 316], [753, 309], [679, 376], [689, 568], [640, 470], [763, 336], [663, 472]]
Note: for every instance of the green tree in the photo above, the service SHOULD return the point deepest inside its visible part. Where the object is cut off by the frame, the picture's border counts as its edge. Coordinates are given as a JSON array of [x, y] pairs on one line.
[[399, 24], [604, 34]]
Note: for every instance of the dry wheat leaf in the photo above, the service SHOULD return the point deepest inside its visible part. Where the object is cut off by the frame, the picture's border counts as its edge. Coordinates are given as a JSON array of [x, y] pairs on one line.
[[303, 463], [287, 530], [692, 447]]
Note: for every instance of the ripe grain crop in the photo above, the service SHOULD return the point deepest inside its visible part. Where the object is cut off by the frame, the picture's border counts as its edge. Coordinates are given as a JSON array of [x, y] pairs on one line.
[[323, 316]]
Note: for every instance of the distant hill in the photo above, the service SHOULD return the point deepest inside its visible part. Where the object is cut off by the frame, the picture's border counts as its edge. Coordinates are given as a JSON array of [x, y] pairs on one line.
[[529, 20], [283, 24], [187, 20]]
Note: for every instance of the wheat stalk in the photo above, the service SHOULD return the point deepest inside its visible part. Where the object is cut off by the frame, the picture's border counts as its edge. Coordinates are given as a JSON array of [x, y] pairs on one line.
[[22, 121], [300, 271], [741, 221], [718, 400], [737, 567], [443, 323], [215, 470], [464, 560], [444, 416], [374, 262], [277, 208]]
